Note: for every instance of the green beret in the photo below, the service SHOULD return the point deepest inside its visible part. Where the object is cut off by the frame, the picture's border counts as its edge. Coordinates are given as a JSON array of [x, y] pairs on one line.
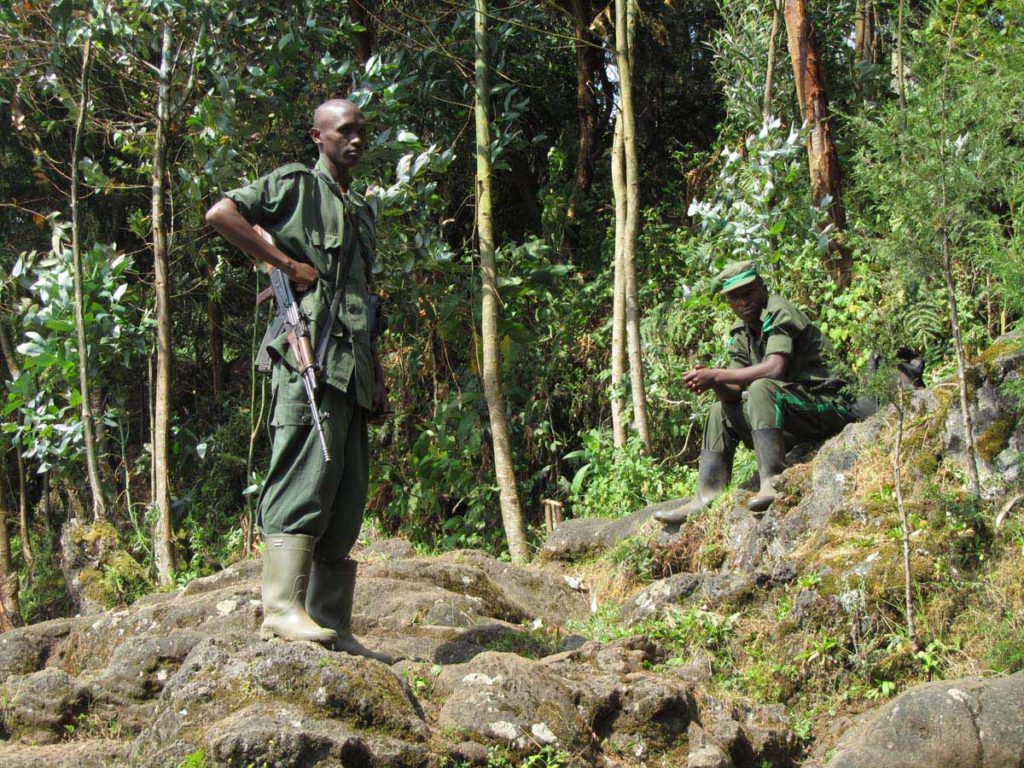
[[736, 274]]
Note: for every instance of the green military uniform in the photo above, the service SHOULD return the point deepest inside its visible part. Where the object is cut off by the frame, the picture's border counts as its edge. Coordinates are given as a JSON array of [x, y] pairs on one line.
[[809, 405], [314, 221]]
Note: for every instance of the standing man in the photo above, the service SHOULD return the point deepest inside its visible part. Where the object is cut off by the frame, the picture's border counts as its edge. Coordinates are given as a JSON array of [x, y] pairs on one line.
[[777, 386], [322, 236]]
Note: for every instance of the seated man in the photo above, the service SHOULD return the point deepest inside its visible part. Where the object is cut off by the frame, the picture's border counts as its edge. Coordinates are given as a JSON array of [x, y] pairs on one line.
[[777, 386]]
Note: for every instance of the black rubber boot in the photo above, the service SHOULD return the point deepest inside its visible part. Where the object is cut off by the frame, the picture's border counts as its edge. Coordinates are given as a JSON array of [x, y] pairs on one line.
[[713, 474], [286, 564], [770, 447], [332, 587]]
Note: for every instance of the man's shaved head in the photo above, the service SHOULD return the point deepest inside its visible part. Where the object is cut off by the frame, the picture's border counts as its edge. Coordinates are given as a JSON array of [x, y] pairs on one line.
[[330, 108], [339, 132]]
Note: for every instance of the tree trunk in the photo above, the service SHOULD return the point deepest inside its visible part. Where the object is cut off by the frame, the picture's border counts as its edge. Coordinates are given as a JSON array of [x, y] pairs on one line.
[[863, 33], [967, 419], [769, 75], [901, 76], [14, 371], [215, 336], [364, 39], [588, 59], [7, 347], [163, 542], [619, 355], [525, 183], [99, 503], [822, 158], [623, 44], [10, 609], [23, 526], [255, 425], [908, 573], [504, 468]]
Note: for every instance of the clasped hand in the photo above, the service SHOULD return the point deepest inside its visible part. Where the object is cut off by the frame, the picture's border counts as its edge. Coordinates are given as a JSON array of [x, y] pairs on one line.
[[700, 379]]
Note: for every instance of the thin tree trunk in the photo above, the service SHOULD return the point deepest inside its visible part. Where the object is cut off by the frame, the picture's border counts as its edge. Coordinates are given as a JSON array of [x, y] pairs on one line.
[[769, 75], [619, 355], [504, 468], [961, 359], [163, 542], [255, 424], [10, 609], [908, 574], [215, 336], [23, 527], [99, 503], [623, 44], [864, 32], [525, 184], [822, 158], [7, 347], [364, 39], [947, 272], [151, 409], [901, 75], [14, 371], [587, 61]]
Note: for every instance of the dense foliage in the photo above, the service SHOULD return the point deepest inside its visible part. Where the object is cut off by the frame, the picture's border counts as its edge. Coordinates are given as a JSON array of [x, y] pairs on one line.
[[940, 152]]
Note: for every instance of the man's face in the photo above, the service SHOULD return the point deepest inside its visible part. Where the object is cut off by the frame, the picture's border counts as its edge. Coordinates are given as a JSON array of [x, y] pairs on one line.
[[747, 301], [340, 134]]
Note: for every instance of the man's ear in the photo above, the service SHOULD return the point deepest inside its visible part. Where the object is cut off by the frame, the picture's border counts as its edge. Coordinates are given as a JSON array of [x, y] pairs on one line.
[[314, 134]]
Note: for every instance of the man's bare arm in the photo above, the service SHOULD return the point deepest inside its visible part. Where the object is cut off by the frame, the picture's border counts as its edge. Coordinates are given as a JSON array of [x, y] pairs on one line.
[[225, 217], [729, 382]]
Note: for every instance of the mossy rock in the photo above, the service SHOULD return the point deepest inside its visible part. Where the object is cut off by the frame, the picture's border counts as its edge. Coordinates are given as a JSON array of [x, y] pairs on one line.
[[996, 438], [118, 581]]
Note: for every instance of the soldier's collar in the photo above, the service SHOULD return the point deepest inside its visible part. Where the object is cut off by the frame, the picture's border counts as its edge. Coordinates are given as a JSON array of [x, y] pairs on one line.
[[757, 327], [321, 170], [349, 195]]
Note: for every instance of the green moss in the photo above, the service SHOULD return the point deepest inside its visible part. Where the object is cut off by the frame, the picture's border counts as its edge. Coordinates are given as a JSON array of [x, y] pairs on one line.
[[530, 643], [1000, 348], [996, 438], [102, 532], [119, 580]]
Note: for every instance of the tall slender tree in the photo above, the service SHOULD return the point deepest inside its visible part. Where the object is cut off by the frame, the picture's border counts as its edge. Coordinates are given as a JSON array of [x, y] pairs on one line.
[[13, 370], [769, 75], [625, 25], [99, 502], [364, 39], [588, 59], [822, 157], [943, 140], [619, 354], [504, 467], [163, 535], [10, 609]]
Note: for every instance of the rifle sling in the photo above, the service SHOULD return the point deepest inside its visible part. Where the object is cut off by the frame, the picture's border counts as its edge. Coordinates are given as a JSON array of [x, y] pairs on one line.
[[332, 313]]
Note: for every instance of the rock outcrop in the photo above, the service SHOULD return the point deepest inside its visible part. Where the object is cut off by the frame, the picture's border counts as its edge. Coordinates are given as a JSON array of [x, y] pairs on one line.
[[182, 677], [967, 723]]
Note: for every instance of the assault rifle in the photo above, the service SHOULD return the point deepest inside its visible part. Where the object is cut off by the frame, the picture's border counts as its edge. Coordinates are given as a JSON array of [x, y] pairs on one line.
[[289, 319]]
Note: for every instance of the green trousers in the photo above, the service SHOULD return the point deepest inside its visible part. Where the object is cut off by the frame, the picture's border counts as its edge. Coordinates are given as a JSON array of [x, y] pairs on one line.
[[302, 494], [772, 404]]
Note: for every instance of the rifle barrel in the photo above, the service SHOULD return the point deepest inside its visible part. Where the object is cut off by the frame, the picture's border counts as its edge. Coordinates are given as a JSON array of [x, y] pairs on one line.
[[308, 379]]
